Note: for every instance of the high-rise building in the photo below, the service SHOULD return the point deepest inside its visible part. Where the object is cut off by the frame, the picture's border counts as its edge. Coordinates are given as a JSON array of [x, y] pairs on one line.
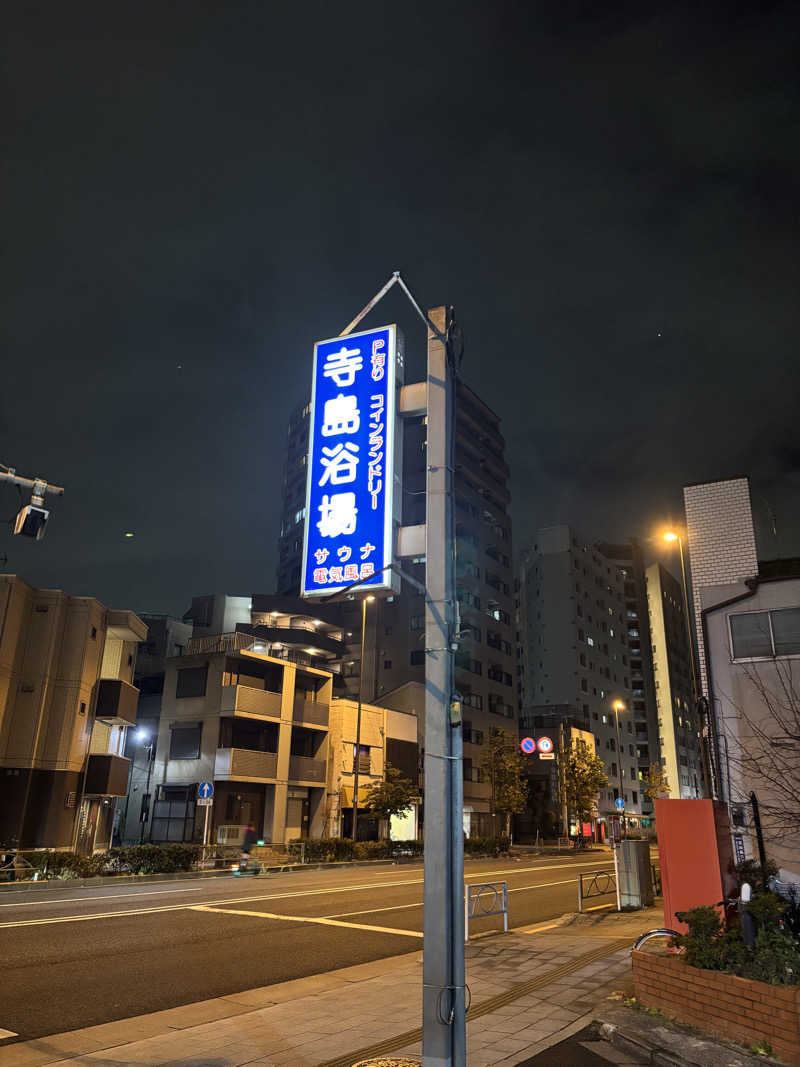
[[677, 725], [395, 639], [629, 560], [66, 703], [574, 654], [722, 544]]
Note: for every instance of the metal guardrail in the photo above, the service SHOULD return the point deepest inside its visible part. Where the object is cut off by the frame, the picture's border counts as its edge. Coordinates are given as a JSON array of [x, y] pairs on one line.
[[490, 898], [16, 868], [595, 884]]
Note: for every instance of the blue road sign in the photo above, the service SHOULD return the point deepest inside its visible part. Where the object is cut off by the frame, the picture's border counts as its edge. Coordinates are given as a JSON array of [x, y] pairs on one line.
[[619, 803], [349, 527], [205, 790]]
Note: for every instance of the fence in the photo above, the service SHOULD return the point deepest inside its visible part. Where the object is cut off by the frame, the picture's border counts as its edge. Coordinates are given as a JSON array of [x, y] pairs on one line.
[[490, 898], [595, 884]]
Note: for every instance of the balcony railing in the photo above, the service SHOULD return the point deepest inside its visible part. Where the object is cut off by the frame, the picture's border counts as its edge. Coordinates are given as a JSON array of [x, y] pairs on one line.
[[310, 713], [245, 763], [306, 769], [250, 702]]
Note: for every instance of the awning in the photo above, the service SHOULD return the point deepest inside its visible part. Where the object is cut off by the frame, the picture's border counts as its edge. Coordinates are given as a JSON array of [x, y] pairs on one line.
[[347, 795]]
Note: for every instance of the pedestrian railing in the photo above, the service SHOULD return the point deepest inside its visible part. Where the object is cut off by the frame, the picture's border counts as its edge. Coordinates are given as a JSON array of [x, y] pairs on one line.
[[14, 867], [490, 898], [595, 884]]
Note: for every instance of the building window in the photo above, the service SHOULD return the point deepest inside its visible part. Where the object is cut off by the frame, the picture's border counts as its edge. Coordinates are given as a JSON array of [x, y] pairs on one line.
[[184, 741], [173, 814], [191, 682], [765, 634], [94, 633], [635, 797], [82, 709], [417, 622], [387, 664], [417, 658]]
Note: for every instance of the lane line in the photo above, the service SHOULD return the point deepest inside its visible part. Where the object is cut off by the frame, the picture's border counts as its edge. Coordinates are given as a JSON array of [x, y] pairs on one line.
[[251, 898], [308, 919], [7, 1033], [107, 896], [200, 888], [402, 907]]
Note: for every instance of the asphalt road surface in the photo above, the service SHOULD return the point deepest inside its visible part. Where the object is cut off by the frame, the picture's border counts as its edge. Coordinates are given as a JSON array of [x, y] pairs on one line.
[[78, 957]]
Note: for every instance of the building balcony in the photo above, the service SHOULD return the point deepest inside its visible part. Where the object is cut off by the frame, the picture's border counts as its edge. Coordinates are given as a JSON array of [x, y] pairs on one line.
[[107, 775], [250, 703], [245, 764], [306, 769], [116, 702], [310, 713]]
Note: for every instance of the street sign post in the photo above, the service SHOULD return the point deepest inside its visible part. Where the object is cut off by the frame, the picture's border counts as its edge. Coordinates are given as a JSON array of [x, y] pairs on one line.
[[205, 799], [619, 804], [616, 844], [545, 746], [349, 528]]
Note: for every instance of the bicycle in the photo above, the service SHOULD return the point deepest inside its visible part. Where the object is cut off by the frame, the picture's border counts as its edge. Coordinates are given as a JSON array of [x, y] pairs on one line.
[[662, 931]]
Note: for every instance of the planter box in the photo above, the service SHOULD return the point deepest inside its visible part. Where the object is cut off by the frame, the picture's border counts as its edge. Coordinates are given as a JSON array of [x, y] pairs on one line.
[[734, 1008]]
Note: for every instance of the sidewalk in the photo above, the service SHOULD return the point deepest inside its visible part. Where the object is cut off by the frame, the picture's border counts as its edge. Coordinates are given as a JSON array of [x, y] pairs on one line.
[[530, 988]]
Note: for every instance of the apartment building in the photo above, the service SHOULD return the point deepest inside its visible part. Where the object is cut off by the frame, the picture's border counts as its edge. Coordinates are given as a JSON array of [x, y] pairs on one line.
[[627, 556], [678, 729], [312, 634], [167, 638], [574, 654], [395, 637], [67, 700], [386, 736], [255, 725]]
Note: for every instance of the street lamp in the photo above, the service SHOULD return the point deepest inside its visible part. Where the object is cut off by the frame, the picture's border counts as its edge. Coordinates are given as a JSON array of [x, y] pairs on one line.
[[619, 706], [358, 714], [144, 735]]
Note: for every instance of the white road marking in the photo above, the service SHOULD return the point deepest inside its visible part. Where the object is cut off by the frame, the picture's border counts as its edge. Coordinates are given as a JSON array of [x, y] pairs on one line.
[[269, 896], [7, 1033], [308, 919], [402, 907], [106, 896]]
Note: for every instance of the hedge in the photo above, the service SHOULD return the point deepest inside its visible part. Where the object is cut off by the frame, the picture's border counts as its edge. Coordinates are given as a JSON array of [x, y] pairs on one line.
[[337, 849], [133, 859]]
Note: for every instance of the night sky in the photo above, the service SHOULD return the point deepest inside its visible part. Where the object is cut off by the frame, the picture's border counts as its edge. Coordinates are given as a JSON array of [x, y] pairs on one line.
[[196, 192]]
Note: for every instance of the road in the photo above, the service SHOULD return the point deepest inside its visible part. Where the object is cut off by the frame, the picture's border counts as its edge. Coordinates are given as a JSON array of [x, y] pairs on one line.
[[79, 957]]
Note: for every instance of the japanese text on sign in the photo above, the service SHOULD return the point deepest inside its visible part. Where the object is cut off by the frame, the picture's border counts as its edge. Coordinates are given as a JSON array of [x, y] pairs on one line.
[[348, 530]]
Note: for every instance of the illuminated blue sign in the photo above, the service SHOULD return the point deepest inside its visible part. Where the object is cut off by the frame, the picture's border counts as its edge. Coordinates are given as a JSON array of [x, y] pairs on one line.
[[349, 528]]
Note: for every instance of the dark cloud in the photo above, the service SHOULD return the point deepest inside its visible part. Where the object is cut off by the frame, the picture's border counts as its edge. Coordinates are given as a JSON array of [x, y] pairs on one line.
[[197, 192]]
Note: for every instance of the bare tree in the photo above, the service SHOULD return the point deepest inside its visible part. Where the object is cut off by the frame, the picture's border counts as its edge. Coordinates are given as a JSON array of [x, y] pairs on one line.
[[767, 749]]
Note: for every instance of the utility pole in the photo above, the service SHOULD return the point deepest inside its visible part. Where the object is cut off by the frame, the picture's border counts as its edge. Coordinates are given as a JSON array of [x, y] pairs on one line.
[[443, 992], [357, 753]]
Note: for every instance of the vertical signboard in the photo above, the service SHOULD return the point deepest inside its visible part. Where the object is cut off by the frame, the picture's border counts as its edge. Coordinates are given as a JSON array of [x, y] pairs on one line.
[[349, 528]]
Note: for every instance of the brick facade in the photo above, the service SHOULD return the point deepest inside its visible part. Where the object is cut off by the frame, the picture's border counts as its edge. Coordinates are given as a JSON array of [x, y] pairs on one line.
[[721, 542], [722, 1004]]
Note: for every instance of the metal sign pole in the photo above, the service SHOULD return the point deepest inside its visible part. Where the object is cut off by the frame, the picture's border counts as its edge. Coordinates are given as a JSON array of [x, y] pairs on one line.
[[443, 999]]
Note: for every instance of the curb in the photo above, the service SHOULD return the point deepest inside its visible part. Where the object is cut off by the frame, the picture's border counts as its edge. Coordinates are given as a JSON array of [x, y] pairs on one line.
[[651, 1051]]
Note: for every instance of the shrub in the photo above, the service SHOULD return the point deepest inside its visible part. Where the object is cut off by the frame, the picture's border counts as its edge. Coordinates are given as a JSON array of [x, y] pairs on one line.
[[491, 846], [53, 864], [774, 958], [338, 849], [154, 859]]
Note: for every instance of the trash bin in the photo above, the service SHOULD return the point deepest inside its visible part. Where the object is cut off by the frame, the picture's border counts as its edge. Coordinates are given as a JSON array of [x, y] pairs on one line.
[[635, 875]]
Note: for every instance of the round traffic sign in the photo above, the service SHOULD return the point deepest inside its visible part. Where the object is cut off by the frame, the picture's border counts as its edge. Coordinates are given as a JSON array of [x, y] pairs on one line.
[[619, 803], [545, 744], [528, 745]]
